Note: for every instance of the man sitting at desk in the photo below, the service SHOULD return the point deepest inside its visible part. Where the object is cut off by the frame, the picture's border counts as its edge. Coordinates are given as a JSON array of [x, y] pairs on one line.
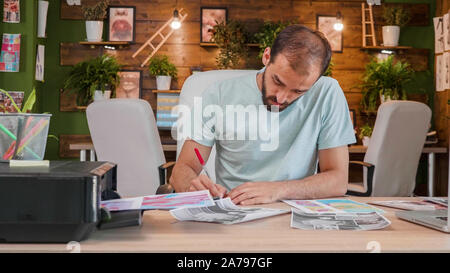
[[312, 126]]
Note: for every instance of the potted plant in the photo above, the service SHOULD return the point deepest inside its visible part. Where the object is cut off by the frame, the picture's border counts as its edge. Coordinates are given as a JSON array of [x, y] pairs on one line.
[[394, 18], [23, 135], [92, 79], [385, 80], [231, 38], [164, 71], [365, 133], [94, 16]]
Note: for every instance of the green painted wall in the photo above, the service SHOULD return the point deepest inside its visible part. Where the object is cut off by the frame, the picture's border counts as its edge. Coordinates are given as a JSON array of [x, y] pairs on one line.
[[24, 79], [62, 122]]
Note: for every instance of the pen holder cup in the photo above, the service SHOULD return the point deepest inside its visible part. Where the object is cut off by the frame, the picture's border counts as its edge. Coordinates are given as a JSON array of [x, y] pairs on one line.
[[23, 136]]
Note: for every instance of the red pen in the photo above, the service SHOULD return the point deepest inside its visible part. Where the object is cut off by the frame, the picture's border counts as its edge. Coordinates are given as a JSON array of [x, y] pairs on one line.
[[202, 162]]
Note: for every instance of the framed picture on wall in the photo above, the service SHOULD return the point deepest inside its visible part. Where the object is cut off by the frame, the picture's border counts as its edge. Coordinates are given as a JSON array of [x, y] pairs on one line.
[[210, 17], [130, 85], [325, 24], [121, 23]]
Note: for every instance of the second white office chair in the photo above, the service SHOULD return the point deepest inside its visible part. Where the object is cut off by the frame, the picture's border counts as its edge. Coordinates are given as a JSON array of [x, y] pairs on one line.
[[124, 131], [391, 161]]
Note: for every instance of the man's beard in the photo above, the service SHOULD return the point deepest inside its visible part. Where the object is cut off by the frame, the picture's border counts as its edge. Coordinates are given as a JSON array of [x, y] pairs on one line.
[[266, 100]]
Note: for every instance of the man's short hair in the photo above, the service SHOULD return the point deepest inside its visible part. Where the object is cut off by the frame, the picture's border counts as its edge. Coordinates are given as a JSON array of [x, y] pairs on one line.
[[302, 47]]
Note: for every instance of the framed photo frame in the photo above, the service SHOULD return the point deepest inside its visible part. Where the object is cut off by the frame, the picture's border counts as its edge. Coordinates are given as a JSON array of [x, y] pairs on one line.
[[130, 86], [325, 24], [209, 17], [122, 23]]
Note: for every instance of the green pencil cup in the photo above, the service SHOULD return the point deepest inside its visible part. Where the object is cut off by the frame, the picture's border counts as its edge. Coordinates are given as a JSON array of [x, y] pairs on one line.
[[23, 136]]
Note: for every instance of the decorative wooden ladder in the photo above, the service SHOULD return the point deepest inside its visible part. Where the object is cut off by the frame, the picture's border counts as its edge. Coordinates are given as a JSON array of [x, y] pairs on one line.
[[365, 23], [163, 37]]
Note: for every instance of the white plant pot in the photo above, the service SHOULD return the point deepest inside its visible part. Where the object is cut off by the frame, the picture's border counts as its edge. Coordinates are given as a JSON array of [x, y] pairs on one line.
[[94, 31], [163, 82], [366, 141], [99, 95], [391, 34], [384, 98]]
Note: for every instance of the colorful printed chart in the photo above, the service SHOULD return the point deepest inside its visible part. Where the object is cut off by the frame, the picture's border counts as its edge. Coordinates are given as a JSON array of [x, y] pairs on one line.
[[162, 201], [10, 55]]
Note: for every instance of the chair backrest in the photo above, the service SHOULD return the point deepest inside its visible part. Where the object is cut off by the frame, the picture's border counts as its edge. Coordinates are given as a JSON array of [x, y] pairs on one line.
[[396, 145], [124, 132], [194, 87]]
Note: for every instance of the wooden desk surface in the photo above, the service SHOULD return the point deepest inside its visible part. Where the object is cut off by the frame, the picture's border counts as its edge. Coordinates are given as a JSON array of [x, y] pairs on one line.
[[162, 233]]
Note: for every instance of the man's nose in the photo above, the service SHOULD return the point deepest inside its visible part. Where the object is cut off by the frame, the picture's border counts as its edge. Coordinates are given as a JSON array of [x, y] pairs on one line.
[[282, 97]]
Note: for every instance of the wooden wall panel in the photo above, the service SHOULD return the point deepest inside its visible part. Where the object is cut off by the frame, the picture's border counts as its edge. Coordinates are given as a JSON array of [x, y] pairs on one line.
[[305, 11]]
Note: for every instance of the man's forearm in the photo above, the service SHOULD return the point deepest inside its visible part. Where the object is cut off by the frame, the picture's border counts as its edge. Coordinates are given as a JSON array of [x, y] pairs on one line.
[[181, 176], [322, 185]]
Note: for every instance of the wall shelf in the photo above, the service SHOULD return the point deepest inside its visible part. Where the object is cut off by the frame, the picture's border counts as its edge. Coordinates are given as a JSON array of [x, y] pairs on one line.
[[166, 91], [215, 45], [390, 48], [114, 44]]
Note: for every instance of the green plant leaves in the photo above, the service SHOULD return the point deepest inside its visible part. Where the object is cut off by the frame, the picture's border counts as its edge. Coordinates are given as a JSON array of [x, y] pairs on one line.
[[384, 78], [96, 12], [231, 38], [396, 16], [96, 74], [29, 103], [160, 66]]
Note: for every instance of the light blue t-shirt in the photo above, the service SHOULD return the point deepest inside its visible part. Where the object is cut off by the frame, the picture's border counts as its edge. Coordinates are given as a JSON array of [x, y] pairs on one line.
[[284, 145]]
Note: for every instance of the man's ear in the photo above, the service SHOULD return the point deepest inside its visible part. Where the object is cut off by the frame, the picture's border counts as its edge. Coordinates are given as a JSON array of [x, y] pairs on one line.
[[266, 56]]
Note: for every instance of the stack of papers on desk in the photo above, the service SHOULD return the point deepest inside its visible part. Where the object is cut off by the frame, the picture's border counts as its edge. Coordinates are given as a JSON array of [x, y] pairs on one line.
[[161, 201], [335, 214], [225, 212], [338, 221], [332, 206]]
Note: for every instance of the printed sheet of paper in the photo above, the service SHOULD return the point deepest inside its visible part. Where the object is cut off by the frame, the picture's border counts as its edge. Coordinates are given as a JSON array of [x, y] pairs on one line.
[[445, 70], [446, 31], [406, 205], [439, 73], [10, 55], [224, 212], [11, 11], [438, 34], [40, 58], [338, 221], [6, 104], [161, 201], [332, 206], [443, 201]]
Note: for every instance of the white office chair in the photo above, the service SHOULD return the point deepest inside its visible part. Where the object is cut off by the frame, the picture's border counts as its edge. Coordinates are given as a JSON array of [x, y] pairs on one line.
[[124, 131], [390, 163], [194, 87]]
